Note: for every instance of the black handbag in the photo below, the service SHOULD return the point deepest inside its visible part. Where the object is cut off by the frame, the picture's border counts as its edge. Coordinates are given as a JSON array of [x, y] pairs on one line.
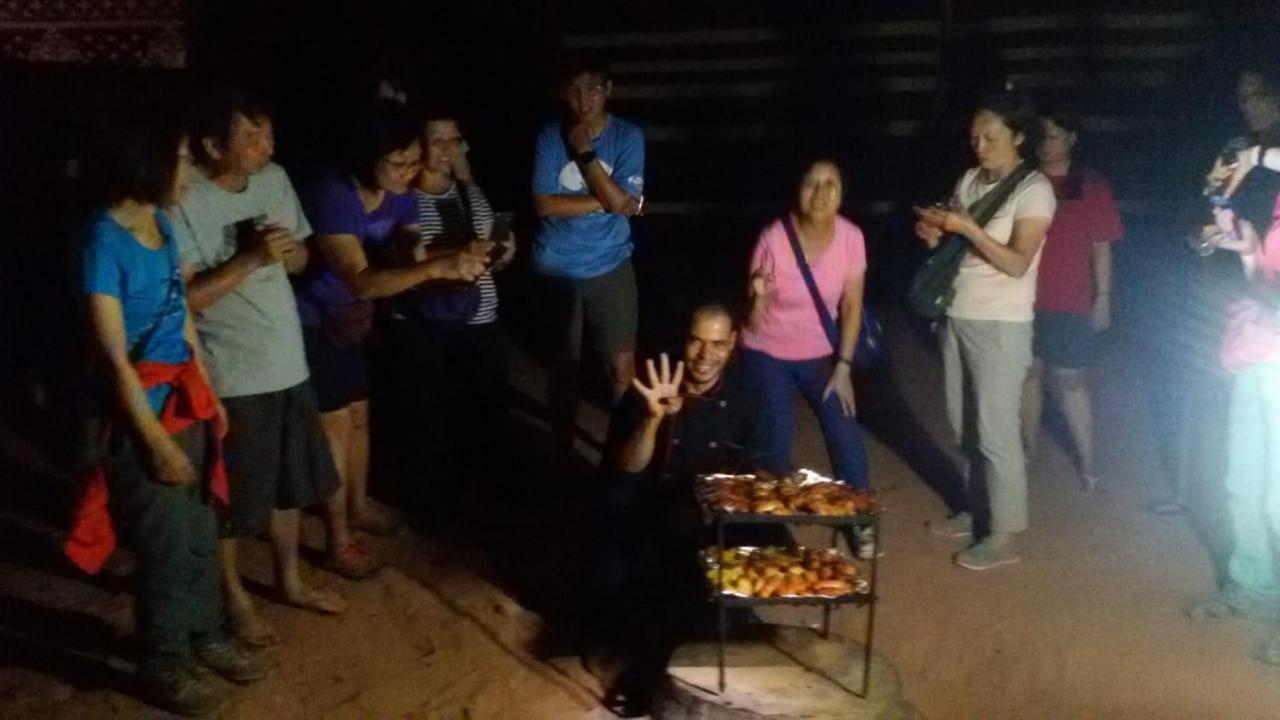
[[933, 285], [451, 303], [870, 345]]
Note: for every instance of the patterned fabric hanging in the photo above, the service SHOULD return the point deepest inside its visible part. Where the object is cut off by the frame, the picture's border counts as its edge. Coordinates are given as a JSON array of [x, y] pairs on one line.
[[140, 33]]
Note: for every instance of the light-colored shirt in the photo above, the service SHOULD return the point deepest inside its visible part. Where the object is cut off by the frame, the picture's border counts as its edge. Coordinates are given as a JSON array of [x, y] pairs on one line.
[[251, 335], [789, 327], [982, 291]]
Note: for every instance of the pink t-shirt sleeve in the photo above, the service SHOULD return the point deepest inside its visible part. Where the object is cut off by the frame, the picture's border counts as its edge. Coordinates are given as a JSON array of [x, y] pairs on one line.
[[855, 248]]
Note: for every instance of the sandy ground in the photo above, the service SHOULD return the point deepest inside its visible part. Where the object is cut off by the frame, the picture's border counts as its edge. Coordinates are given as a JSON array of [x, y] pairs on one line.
[[1089, 625]]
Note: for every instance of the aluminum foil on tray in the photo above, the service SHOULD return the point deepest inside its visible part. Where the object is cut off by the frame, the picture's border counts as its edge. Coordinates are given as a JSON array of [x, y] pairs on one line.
[[776, 572], [803, 492]]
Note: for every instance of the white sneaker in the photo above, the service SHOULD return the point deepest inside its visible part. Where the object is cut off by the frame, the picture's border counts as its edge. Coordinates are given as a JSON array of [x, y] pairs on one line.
[[866, 547]]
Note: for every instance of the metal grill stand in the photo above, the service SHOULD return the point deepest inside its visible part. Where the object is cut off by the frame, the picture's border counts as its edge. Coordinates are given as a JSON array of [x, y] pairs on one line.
[[851, 524]]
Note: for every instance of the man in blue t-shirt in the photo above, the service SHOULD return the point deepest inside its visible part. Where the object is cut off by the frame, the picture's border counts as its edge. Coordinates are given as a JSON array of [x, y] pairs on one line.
[[588, 179]]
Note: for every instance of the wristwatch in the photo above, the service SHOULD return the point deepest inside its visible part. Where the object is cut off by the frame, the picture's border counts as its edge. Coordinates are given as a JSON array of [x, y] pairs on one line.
[[585, 158]]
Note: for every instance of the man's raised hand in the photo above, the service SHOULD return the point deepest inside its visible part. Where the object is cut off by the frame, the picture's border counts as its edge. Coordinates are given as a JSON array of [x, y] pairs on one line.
[[662, 394]]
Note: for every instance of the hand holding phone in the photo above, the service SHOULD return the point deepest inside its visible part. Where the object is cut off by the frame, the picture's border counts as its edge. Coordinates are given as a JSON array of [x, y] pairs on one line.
[[500, 236]]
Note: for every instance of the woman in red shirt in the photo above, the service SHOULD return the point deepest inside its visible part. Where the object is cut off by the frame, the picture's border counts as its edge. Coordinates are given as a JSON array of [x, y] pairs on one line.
[[1073, 297]]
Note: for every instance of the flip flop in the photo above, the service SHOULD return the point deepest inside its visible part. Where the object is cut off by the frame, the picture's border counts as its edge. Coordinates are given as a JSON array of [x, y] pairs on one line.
[[321, 601], [352, 562]]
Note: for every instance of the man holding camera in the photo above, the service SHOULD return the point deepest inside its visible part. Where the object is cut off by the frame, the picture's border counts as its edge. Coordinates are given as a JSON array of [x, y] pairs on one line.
[[239, 230]]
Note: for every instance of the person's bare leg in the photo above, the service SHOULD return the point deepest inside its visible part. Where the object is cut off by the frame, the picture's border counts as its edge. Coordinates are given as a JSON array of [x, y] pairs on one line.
[[249, 626], [358, 458], [336, 425], [364, 513], [284, 541], [335, 520], [1032, 408], [1071, 388], [622, 370]]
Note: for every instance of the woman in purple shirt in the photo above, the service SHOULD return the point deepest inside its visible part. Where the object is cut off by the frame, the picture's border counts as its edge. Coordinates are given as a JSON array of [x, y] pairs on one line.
[[358, 216]]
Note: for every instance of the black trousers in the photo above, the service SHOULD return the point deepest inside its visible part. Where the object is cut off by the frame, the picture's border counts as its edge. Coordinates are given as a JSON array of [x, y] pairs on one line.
[[452, 404], [647, 587]]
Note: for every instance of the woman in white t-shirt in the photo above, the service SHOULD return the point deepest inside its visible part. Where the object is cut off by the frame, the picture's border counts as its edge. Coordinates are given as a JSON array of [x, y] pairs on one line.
[[987, 337]]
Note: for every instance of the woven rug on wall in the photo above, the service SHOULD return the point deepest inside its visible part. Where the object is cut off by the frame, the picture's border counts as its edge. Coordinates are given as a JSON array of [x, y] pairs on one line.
[[141, 33]]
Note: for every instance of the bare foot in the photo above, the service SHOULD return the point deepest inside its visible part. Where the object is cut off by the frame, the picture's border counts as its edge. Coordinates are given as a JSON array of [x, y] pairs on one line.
[[249, 627], [317, 600]]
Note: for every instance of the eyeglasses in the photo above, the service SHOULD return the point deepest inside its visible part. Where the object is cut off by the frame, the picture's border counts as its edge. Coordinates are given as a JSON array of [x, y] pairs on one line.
[[403, 165], [593, 90]]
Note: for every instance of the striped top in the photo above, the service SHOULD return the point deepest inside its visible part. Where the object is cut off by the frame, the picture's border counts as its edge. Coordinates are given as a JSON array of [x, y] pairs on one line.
[[442, 218]]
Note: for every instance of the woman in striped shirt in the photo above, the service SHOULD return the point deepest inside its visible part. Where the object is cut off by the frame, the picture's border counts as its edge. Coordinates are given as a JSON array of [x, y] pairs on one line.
[[456, 363]]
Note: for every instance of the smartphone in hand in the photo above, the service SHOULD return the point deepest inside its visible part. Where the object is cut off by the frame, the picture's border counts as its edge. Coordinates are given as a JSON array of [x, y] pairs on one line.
[[499, 233]]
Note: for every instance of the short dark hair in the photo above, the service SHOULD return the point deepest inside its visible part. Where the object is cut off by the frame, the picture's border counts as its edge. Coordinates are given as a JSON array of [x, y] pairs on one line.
[[577, 65], [1063, 117], [1265, 68], [215, 112], [136, 158], [1018, 113], [385, 127], [715, 307], [424, 113], [800, 167]]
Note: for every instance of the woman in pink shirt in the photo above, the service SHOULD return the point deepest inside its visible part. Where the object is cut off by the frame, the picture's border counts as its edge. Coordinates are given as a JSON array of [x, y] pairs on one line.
[[786, 347]]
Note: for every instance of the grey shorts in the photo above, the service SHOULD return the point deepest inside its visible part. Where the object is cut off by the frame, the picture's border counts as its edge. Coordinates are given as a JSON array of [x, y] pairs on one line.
[[606, 306], [277, 457]]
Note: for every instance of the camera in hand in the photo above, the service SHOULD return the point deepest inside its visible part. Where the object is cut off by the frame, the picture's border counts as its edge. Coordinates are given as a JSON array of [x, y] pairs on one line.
[[1228, 157], [246, 228], [1216, 194]]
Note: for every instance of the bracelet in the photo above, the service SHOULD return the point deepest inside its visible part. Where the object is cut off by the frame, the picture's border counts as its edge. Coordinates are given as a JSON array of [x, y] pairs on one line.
[[844, 361], [585, 158]]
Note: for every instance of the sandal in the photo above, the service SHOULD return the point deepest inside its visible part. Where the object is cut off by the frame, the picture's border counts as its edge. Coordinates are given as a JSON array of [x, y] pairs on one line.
[[352, 561]]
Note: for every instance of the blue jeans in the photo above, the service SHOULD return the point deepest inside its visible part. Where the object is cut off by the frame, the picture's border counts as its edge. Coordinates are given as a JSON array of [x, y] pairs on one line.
[[777, 380], [1253, 479]]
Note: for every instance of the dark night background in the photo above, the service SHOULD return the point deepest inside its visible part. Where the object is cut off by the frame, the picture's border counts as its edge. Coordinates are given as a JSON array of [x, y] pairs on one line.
[[722, 152]]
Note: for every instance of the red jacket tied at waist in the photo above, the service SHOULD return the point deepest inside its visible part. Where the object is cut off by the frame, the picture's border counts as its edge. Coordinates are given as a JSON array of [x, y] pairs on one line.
[[92, 537]]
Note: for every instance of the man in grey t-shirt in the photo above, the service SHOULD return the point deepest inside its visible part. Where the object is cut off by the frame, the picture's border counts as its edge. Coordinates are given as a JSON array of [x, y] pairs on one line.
[[239, 229]]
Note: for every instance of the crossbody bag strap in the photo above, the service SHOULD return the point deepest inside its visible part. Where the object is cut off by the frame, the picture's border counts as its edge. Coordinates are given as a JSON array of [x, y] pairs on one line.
[[986, 207], [824, 315]]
